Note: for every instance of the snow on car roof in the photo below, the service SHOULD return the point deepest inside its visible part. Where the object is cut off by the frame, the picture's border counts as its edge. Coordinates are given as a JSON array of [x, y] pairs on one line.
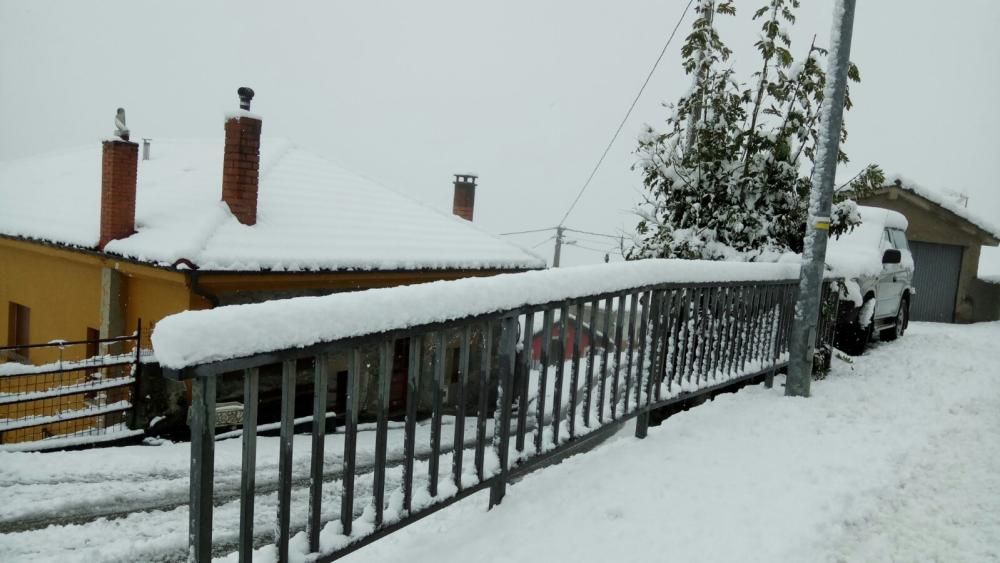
[[312, 214], [858, 253]]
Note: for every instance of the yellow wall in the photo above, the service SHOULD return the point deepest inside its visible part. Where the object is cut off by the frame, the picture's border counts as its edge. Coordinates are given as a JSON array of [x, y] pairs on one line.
[[62, 287], [63, 293]]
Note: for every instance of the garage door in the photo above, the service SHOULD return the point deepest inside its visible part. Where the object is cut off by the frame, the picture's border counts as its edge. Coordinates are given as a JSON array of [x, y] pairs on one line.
[[936, 281]]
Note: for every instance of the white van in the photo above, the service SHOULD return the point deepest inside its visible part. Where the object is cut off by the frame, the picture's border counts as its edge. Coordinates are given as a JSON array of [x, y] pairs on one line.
[[874, 260]]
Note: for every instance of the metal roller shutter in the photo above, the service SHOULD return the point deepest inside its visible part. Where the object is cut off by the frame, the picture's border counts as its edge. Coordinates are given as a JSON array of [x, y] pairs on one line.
[[936, 281]]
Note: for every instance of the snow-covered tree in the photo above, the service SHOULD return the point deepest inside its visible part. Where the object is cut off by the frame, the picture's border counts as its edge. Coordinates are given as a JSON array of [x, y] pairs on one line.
[[724, 179]]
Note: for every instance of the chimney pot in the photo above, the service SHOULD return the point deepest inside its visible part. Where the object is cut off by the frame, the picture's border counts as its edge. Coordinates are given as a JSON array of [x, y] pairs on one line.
[[246, 95], [464, 201], [145, 148]]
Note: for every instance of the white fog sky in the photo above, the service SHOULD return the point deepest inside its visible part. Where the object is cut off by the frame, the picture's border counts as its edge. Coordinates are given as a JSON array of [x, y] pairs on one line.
[[524, 93]]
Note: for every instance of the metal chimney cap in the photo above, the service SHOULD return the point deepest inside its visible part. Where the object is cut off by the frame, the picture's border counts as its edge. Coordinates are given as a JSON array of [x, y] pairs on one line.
[[465, 178], [245, 94]]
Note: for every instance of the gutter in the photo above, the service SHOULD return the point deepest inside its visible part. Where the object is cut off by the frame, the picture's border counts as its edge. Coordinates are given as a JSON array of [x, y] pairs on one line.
[[193, 275]]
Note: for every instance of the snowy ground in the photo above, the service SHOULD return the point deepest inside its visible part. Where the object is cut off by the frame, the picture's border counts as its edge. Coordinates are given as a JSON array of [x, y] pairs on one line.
[[894, 458]]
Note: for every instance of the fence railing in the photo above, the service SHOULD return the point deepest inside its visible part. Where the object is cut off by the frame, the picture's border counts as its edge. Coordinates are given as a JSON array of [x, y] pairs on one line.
[[83, 391], [472, 377]]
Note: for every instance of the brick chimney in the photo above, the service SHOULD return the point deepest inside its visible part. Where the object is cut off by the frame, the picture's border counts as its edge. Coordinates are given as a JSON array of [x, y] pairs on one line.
[[119, 163], [241, 160], [465, 196]]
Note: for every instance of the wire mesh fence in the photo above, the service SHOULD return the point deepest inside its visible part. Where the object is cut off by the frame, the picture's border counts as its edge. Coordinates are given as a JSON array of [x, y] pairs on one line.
[[74, 389]]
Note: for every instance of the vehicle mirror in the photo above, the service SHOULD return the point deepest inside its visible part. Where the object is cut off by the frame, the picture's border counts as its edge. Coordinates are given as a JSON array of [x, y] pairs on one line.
[[892, 256]]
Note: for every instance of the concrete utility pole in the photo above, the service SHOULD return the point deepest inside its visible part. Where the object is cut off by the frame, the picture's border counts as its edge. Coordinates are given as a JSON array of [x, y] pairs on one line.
[[803, 335], [559, 243]]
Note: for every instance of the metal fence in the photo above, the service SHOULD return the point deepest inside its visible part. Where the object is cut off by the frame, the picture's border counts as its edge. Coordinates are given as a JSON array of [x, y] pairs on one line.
[[667, 343], [82, 392]]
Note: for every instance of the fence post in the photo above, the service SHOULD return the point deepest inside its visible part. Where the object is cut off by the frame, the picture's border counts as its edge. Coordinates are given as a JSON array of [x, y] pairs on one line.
[[202, 468], [642, 419], [501, 430]]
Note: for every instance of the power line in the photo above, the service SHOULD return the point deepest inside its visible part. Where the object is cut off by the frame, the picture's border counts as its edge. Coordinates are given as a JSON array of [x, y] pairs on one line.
[[627, 114], [602, 251], [543, 242], [527, 232], [616, 237]]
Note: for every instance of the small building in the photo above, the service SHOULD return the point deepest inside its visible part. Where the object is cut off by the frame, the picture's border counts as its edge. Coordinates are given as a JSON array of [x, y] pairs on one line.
[[945, 238], [94, 240]]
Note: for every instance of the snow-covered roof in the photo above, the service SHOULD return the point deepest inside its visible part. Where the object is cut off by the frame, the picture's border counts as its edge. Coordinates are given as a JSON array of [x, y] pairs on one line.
[[312, 214], [952, 201]]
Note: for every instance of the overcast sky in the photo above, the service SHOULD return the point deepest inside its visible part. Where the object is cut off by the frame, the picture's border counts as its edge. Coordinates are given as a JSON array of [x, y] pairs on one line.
[[524, 93]]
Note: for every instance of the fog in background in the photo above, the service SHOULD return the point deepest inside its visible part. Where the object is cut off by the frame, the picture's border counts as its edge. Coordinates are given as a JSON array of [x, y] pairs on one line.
[[525, 94]]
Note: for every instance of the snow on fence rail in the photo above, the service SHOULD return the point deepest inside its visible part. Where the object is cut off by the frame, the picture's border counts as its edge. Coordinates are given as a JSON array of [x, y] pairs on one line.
[[198, 337], [655, 333], [82, 399]]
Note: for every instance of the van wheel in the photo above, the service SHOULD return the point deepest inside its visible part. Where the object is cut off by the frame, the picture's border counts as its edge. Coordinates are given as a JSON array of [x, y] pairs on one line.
[[853, 338], [902, 320]]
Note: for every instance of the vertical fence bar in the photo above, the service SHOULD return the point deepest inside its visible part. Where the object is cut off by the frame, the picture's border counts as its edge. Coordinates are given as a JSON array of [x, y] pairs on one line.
[[773, 321], [642, 420], [458, 441], [760, 317], [710, 332], [439, 365], [574, 378], [320, 391], [632, 319], [684, 334], [248, 470], [666, 342], [656, 347], [756, 323], [385, 357], [350, 440], [731, 329], [410, 425], [501, 429], [561, 359], [591, 352], [783, 317], [775, 344], [792, 295], [543, 374], [485, 371], [675, 330], [722, 323], [715, 298], [601, 391], [697, 309], [617, 344], [202, 468], [744, 322], [287, 434], [524, 369], [659, 350]]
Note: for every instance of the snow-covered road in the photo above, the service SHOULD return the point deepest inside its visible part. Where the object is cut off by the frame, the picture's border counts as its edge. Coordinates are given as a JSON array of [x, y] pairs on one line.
[[894, 458]]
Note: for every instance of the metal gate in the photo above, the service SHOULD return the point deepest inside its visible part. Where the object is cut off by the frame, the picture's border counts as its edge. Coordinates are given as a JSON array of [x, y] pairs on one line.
[[936, 281]]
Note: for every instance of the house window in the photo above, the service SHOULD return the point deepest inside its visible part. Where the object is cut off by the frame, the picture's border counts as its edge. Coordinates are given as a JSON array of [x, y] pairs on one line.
[[18, 318], [93, 346]]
